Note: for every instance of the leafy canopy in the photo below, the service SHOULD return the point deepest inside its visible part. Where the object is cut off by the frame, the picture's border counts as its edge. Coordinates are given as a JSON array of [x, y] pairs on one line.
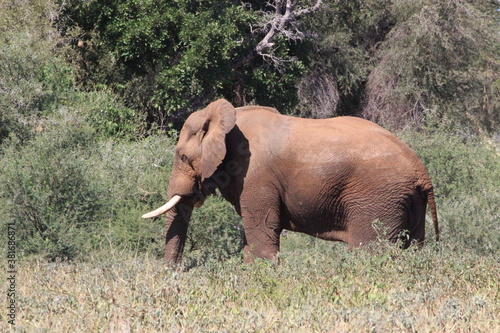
[[169, 57]]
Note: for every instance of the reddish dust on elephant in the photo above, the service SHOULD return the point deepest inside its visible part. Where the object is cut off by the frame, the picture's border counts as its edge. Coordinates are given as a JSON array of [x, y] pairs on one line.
[[329, 178]]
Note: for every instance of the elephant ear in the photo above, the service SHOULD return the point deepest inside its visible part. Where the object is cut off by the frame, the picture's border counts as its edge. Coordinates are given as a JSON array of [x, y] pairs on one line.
[[220, 119]]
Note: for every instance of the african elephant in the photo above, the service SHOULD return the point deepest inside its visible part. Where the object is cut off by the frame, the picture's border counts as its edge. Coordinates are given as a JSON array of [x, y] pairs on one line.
[[329, 178]]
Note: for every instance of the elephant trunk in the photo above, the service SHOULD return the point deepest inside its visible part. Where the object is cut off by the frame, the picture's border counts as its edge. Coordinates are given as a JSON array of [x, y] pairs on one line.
[[177, 225], [183, 195]]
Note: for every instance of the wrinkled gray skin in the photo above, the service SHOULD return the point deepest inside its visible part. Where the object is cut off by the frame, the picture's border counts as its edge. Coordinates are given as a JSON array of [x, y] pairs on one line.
[[329, 178]]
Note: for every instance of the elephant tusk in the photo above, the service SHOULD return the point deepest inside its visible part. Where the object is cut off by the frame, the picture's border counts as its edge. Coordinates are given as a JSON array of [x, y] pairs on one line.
[[165, 208]]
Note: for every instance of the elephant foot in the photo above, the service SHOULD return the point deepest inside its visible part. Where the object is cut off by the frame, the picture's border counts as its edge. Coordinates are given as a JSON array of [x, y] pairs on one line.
[[250, 253]]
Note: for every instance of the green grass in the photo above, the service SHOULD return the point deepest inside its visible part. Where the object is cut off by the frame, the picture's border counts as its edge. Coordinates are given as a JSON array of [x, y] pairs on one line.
[[318, 287]]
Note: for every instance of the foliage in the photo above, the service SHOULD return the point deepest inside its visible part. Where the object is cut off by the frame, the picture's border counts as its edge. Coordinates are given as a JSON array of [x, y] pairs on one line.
[[465, 172], [37, 81], [440, 56], [105, 112], [50, 193], [394, 61], [32, 80], [171, 65], [76, 170]]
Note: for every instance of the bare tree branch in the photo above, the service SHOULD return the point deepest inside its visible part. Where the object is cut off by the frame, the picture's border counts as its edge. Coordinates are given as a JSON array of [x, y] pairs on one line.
[[283, 21], [307, 11], [285, 24]]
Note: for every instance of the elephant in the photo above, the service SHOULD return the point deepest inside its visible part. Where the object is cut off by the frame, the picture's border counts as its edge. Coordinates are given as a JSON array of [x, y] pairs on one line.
[[329, 178]]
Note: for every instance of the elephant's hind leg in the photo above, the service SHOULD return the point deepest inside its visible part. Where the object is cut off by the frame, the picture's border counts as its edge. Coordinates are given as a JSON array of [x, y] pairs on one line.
[[416, 220], [361, 236], [372, 224]]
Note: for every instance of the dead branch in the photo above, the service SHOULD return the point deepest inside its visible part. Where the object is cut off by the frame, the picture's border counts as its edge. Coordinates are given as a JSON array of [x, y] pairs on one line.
[[283, 21]]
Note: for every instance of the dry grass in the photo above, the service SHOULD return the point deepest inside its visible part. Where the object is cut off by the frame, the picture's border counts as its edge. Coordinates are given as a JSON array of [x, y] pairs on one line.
[[318, 287]]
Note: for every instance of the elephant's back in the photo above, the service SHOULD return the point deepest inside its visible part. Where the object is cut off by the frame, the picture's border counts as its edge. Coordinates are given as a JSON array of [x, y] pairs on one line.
[[361, 149], [349, 127], [308, 143], [346, 137]]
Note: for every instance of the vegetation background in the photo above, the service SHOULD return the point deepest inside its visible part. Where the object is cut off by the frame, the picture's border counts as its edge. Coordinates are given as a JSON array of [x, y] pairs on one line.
[[92, 94]]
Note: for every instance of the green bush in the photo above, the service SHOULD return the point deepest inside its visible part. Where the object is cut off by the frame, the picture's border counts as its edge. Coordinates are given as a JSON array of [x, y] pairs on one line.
[[135, 176], [465, 171], [50, 192], [62, 189], [69, 193], [37, 78], [107, 114], [154, 54]]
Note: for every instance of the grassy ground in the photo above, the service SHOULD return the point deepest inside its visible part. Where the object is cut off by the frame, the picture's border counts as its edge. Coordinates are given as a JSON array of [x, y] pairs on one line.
[[318, 287], [116, 286]]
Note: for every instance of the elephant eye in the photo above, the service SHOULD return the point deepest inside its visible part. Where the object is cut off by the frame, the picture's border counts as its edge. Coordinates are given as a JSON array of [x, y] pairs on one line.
[[184, 158]]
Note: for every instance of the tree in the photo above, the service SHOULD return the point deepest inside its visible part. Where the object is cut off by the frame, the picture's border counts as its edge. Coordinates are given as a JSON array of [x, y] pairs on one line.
[[440, 58], [283, 21], [391, 61], [340, 56], [399, 62], [170, 57]]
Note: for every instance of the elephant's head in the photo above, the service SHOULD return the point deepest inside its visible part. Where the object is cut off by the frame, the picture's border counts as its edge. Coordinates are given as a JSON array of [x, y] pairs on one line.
[[200, 150]]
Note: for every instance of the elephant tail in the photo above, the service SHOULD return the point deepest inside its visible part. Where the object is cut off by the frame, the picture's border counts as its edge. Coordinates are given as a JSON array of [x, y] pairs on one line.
[[432, 206]]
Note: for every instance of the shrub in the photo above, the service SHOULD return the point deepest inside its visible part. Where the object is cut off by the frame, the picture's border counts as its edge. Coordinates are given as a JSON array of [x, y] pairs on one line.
[[36, 78], [440, 56], [153, 53], [465, 172], [32, 82], [69, 193], [107, 114], [50, 192]]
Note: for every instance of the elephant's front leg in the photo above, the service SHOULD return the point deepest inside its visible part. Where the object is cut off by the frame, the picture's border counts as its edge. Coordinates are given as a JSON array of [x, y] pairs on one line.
[[262, 234]]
